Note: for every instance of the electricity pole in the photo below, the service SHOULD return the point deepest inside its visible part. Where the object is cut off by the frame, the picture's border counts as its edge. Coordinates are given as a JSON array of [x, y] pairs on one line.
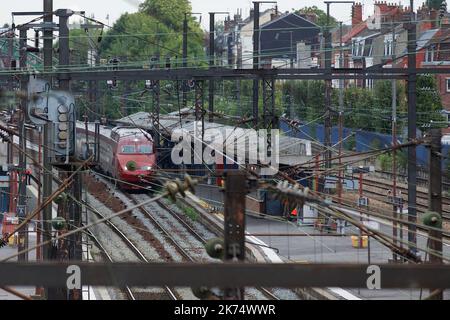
[[256, 35], [412, 127], [256, 58], [435, 200], [75, 249], [22, 176], [341, 111], [394, 151], [185, 55], [212, 52], [234, 223], [328, 83], [47, 181], [184, 60], [327, 140]]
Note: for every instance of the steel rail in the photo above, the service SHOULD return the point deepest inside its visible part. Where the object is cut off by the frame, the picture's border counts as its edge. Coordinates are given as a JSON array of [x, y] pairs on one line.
[[103, 251], [265, 291], [134, 249]]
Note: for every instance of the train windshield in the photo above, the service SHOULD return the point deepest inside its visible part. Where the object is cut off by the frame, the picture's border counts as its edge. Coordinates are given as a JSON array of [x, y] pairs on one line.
[[147, 149], [137, 149]]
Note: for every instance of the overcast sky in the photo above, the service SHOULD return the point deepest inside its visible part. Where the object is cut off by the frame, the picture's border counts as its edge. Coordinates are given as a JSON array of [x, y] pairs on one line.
[[114, 8]]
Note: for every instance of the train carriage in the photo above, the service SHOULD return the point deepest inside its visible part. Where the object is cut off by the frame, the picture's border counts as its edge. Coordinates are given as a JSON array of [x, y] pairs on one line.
[[126, 153]]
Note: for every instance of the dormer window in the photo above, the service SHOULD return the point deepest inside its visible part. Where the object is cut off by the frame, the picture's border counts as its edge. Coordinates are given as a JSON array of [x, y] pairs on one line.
[[429, 54], [388, 47]]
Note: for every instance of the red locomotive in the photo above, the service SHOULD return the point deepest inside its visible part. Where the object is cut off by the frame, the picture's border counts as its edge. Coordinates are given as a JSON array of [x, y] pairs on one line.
[[126, 153]]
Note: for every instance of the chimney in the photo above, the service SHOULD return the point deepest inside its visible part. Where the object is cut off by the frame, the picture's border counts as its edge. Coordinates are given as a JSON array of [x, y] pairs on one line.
[[433, 18], [383, 6], [356, 14]]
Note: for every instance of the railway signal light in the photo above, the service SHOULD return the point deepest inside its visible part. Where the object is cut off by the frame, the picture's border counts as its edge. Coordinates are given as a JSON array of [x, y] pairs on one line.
[[63, 117], [112, 84], [58, 109]]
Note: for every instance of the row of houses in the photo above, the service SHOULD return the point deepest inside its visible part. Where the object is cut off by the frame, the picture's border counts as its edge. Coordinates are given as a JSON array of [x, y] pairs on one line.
[[286, 39], [294, 40]]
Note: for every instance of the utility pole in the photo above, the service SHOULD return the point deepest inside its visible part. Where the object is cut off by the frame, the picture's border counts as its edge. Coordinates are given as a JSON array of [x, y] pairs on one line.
[[212, 60], [47, 181], [256, 35], [184, 60], [22, 203], [93, 60], [394, 151], [327, 140], [341, 112], [435, 200], [234, 224], [328, 83], [412, 127], [185, 55], [156, 87], [256, 58], [75, 246], [211, 63]]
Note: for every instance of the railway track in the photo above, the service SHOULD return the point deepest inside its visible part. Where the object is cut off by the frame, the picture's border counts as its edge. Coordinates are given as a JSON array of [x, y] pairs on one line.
[[421, 180], [422, 203], [421, 206], [156, 207], [169, 292], [108, 257]]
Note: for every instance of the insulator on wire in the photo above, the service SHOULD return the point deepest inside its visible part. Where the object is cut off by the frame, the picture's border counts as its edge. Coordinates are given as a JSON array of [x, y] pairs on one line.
[[177, 187], [292, 194]]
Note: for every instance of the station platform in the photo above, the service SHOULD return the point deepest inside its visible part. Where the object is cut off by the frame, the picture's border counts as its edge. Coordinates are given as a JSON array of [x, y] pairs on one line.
[[303, 243], [9, 251]]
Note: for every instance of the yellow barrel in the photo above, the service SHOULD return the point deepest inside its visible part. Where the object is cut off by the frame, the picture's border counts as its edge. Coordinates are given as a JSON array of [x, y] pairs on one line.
[[356, 241], [12, 240]]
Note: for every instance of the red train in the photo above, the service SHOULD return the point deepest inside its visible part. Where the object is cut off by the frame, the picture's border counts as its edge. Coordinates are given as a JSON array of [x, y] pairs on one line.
[[126, 154]]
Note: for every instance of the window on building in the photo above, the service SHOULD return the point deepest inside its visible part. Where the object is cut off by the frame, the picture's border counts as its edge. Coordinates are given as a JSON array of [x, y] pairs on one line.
[[447, 84], [368, 48], [361, 48], [429, 54], [354, 47], [388, 47]]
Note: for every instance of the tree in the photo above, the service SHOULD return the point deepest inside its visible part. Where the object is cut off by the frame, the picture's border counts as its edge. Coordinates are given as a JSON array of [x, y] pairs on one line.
[[434, 4], [429, 102], [136, 38], [171, 13], [321, 15]]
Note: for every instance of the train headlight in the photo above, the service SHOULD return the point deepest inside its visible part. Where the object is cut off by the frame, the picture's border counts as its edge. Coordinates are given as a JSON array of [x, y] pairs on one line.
[[147, 168]]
